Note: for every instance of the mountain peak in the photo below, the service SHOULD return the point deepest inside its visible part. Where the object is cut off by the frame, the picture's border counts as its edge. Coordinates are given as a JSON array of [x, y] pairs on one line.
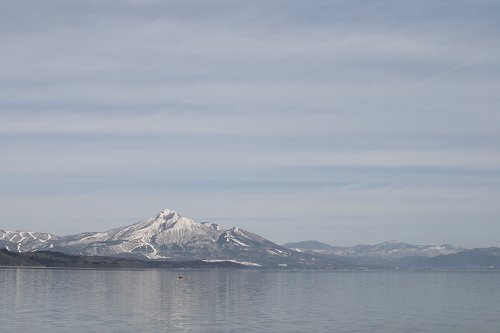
[[167, 214], [392, 241]]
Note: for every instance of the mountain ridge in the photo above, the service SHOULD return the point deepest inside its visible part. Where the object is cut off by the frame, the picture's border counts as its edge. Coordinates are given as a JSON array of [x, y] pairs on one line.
[[169, 235], [400, 255], [391, 249]]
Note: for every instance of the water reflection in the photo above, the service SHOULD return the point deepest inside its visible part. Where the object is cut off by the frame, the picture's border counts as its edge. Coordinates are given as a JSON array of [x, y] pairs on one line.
[[46, 300]]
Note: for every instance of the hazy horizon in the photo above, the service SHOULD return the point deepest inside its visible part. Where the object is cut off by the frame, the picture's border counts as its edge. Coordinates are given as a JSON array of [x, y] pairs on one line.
[[202, 220], [345, 122]]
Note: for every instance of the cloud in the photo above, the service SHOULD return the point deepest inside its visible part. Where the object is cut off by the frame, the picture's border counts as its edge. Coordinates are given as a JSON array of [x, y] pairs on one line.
[[320, 112]]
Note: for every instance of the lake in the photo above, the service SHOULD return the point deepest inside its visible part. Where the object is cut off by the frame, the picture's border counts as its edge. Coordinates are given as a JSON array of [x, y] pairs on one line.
[[65, 300]]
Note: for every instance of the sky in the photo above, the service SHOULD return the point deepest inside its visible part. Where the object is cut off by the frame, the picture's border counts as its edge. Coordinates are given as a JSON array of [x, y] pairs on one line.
[[345, 122]]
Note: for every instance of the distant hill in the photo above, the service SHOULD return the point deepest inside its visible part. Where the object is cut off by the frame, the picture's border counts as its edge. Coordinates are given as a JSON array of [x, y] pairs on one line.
[[393, 254], [479, 258], [309, 246], [385, 250]]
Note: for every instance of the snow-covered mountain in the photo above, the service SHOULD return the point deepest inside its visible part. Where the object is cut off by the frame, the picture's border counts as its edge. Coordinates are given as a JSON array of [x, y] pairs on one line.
[[169, 235], [166, 235], [386, 250], [23, 241]]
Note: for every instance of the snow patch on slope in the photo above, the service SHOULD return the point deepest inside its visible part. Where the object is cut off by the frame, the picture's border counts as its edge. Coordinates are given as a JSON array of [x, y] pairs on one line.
[[246, 263]]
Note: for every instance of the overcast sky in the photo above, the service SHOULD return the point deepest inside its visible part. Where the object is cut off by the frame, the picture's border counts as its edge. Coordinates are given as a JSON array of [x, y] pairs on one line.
[[341, 121]]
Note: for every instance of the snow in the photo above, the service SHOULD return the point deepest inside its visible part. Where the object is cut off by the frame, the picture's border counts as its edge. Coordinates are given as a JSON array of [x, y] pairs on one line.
[[155, 256], [247, 263], [165, 235], [237, 241], [13, 236], [241, 233], [21, 234]]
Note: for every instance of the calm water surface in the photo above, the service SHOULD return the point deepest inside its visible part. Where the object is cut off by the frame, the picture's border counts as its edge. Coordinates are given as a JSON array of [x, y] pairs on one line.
[[52, 300]]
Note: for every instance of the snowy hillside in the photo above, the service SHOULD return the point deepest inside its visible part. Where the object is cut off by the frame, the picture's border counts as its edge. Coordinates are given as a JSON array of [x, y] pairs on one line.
[[22, 241], [167, 235], [385, 250]]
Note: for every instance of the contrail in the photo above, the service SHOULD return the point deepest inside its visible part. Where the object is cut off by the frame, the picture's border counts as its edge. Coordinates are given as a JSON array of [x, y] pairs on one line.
[[432, 78]]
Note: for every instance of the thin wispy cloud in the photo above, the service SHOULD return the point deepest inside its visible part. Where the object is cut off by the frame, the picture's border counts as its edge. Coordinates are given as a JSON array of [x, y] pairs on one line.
[[269, 115]]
